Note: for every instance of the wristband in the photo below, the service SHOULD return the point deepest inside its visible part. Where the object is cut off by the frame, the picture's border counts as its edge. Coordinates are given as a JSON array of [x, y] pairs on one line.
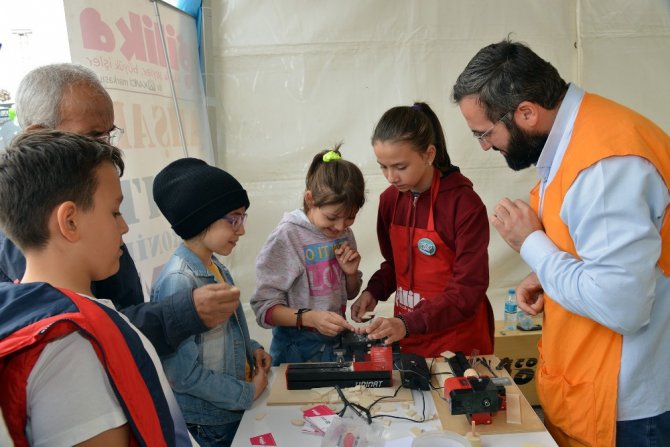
[[404, 323], [298, 320]]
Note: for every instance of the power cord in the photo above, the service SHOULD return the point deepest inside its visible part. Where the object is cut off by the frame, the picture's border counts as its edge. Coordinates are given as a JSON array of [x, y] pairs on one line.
[[360, 410]]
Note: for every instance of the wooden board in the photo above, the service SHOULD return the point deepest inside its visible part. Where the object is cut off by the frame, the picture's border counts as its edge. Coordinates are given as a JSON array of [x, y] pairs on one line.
[[459, 423], [279, 395]]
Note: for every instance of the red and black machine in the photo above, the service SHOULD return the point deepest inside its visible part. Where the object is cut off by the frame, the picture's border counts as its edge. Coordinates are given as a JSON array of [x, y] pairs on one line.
[[372, 367], [477, 397]]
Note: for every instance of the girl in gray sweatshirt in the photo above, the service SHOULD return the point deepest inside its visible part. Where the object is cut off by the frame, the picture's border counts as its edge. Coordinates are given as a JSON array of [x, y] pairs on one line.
[[308, 267]]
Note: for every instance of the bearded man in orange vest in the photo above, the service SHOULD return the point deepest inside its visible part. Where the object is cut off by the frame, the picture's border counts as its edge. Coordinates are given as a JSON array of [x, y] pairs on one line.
[[595, 237]]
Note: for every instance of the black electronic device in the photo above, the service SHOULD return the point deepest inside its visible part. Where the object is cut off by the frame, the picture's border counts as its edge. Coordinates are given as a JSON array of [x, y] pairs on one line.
[[302, 376], [414, 373]]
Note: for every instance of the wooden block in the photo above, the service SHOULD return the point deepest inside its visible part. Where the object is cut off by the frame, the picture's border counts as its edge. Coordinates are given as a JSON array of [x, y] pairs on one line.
[[513, 409]]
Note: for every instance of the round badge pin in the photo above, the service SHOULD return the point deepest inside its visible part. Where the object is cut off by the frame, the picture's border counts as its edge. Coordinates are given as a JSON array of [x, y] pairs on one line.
[[426, 246]]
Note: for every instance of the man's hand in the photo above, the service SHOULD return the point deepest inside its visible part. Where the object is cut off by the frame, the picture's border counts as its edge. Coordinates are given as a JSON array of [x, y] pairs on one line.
[[327, 323], [530, 295], [364, 304], [348, 258], [393, 329], [515, 221], [215, 303], [262, 359]]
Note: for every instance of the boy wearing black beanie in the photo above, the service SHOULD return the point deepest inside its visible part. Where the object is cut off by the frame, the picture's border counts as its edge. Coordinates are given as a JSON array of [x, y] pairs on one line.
[[206, 207]]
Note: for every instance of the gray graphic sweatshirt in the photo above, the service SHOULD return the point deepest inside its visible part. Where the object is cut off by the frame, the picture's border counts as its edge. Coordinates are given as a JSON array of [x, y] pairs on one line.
[[297, 267]]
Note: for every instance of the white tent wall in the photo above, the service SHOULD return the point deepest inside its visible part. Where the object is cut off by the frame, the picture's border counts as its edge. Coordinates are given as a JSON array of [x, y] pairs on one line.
[[294, 77]]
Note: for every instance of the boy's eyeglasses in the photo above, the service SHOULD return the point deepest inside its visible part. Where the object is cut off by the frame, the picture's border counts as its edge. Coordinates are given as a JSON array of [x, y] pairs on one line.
[[236, 220], [113, 136], [481, 136]]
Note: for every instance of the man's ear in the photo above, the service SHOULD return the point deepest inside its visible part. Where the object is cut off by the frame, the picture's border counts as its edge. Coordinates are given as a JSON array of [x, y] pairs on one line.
[[67, 217], [527, 115]]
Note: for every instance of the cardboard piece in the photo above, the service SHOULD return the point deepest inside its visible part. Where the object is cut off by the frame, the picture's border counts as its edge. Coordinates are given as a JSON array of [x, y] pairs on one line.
[[460, 424], [518, 350]]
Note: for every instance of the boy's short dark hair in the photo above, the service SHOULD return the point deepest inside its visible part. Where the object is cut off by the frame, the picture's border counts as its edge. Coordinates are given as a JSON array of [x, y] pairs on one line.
[[42, 169]]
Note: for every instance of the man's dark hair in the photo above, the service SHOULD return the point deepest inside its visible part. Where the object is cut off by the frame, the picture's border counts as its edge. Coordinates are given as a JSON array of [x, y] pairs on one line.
[[42, 169], [506, 73]]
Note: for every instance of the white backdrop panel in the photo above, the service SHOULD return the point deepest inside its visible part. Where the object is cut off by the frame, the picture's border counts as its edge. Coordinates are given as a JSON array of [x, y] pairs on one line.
[[297, 76]]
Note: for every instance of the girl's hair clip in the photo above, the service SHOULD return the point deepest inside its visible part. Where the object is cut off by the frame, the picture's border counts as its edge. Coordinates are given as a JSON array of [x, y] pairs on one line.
[[331, 156]]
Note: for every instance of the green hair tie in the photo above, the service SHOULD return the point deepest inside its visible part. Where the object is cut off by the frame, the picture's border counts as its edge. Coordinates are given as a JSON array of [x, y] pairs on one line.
[[331, 156]]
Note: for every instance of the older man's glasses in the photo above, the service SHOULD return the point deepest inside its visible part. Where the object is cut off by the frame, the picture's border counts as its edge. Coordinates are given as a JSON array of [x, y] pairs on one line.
[[113, 136], [481, 136], [236, 220]]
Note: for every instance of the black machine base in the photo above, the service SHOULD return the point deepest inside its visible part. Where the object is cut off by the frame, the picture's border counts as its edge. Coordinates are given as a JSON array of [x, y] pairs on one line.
[[303, 376]]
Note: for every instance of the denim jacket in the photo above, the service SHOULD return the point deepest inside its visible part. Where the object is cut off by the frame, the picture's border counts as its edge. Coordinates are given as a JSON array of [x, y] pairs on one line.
[[207, 370]]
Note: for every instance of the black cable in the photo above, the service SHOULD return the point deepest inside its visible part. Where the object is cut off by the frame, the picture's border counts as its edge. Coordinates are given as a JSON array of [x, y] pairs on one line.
[[360, 410], [423, 410]]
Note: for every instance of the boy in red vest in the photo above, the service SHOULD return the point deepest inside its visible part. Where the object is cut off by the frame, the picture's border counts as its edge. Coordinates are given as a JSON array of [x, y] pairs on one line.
[[72, 369]]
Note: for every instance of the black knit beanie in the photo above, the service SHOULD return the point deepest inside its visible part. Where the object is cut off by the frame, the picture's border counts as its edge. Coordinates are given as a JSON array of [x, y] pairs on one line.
[[192, 195]]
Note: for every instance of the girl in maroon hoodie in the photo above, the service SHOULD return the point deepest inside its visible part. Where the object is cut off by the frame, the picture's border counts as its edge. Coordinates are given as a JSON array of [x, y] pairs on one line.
[[433, 233]]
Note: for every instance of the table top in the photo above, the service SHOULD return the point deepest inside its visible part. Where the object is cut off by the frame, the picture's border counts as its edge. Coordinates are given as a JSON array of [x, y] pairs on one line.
[[278, 420]]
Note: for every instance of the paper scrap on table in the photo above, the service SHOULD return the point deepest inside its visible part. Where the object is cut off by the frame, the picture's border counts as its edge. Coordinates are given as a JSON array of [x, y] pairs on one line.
[[319, 417], [266, 440]]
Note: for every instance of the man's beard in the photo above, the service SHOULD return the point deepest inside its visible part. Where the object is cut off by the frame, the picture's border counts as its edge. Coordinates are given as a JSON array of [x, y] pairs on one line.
[[523, 149]]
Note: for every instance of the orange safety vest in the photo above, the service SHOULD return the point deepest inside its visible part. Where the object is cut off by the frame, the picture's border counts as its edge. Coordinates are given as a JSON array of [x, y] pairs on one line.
[[577, 379]]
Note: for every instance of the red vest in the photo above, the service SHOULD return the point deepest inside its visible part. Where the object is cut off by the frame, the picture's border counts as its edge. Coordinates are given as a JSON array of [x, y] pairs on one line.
[[34, 314], [577, 375]]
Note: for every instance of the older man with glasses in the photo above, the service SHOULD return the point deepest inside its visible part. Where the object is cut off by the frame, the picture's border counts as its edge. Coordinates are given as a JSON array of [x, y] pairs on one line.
[[71, 98]]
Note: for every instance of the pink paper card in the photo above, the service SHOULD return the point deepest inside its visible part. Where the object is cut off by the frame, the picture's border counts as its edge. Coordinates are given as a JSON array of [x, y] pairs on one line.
[[266, 439]]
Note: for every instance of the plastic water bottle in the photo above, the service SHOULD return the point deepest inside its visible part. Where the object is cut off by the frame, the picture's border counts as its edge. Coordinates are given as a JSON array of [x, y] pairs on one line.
[[510, 310]]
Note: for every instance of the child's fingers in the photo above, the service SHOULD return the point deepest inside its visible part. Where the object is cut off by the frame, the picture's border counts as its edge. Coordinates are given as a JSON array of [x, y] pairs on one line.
[[372, 327]]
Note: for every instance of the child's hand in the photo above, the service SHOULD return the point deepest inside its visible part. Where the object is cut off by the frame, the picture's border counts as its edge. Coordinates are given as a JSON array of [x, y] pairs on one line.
[[348, 258], [260, 381], [364, 304], [262, 359], [327, 323], [392, 329]]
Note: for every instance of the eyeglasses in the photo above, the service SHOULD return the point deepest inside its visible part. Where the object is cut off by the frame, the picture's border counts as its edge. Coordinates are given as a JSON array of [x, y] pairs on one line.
[[481, 136], [236, 220], [113, 136]]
